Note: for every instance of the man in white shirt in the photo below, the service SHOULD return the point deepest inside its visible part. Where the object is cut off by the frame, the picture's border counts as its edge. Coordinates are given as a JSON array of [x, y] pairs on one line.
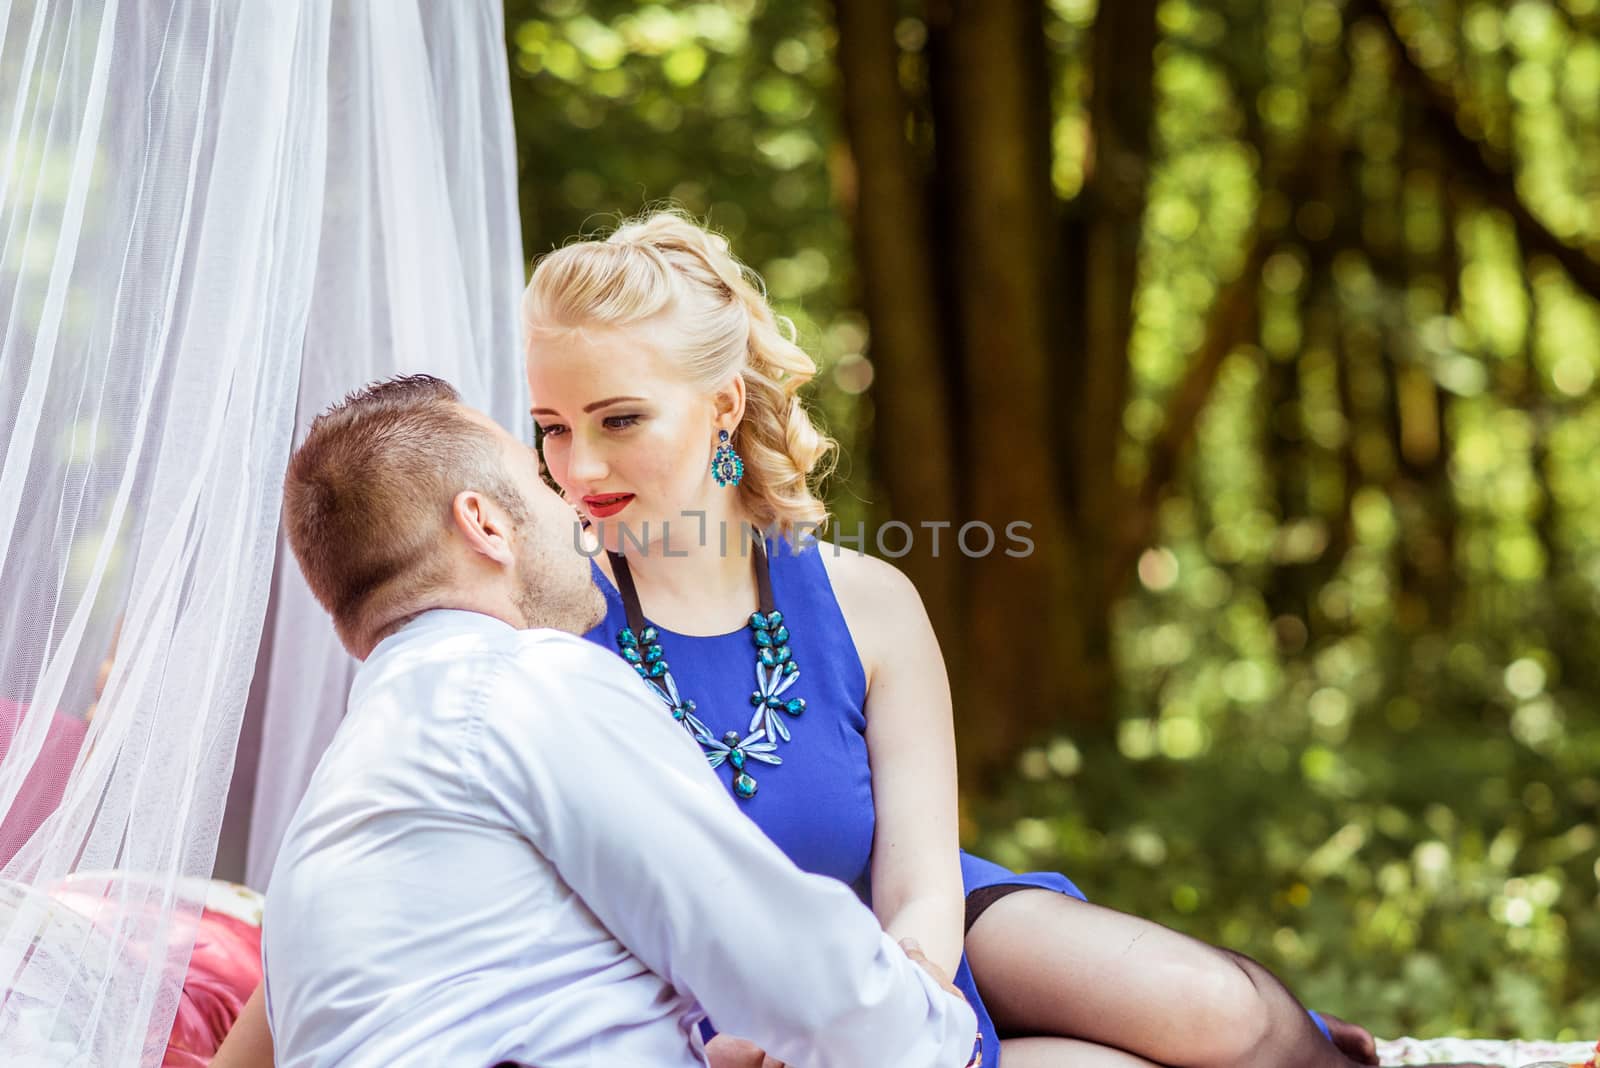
[[510, 852]]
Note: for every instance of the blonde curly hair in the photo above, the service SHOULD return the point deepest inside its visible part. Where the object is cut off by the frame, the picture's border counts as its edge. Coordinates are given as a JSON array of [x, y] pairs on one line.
[[663, 264]]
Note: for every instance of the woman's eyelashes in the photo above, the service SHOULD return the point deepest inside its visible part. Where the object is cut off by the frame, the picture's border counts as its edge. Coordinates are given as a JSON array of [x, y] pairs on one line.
[[610, 422]]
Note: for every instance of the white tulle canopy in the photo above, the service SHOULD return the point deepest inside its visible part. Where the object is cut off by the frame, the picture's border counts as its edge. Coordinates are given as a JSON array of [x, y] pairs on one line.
[[216, 216]]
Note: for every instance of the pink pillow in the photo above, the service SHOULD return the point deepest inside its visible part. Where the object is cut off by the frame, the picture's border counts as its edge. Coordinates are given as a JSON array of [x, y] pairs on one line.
[[224, 968], [224, 971], [46, 781]]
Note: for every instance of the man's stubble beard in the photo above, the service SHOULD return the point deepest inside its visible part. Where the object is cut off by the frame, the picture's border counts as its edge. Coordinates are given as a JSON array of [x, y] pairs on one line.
[[546, 597]]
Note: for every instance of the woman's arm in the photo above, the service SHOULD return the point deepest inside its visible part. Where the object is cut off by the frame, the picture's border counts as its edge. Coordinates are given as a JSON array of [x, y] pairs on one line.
[[916, 866], [249, 1041]]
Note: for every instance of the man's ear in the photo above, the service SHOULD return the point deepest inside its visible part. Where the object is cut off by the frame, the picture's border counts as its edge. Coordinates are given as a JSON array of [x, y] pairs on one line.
[[484, 526]]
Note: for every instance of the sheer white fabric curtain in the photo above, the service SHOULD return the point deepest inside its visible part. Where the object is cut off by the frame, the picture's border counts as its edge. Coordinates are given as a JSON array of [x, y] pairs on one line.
[[199, 201], [160, 187], [420, 270]]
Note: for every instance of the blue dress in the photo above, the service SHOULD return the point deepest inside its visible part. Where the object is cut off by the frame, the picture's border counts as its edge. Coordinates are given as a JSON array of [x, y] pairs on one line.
[[818, 805]]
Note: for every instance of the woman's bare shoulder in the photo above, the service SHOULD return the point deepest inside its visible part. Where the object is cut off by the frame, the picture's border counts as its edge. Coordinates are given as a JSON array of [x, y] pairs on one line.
[[857, 575], [876, 598]]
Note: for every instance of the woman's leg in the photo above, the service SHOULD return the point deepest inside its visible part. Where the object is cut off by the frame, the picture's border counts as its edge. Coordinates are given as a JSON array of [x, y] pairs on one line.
[[1065, 1053], [1048, 964]]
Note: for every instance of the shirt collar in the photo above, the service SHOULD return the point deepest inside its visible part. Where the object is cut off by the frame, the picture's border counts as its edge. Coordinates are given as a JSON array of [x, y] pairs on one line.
[[435, 622]]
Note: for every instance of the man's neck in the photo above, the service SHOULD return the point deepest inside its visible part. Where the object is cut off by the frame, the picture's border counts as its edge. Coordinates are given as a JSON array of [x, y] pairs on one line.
[[451, 599]]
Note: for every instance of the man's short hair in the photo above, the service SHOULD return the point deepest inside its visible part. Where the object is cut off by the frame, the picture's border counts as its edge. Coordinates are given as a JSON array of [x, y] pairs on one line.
[[368, 496]]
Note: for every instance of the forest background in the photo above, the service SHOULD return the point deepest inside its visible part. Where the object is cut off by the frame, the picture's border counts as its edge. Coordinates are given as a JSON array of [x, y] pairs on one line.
[[1278, 321]]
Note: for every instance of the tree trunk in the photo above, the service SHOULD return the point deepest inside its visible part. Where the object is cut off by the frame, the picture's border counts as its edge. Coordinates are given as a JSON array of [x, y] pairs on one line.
[[1023, 637], [1121, 108], [1121, 113], [912, 425]]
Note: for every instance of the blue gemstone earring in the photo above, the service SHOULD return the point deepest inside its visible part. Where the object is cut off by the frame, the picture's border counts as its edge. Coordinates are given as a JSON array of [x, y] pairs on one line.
[[727, 466]]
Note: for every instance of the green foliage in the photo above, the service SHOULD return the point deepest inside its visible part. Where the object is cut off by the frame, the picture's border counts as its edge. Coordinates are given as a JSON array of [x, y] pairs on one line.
[[1420, 874], [1355, 729]]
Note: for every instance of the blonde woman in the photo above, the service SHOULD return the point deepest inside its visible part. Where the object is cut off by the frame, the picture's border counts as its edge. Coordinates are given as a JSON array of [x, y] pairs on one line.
[[665, 390]]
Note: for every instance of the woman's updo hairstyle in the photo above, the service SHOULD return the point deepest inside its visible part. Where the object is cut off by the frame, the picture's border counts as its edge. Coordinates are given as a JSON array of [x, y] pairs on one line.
[[665, 270]]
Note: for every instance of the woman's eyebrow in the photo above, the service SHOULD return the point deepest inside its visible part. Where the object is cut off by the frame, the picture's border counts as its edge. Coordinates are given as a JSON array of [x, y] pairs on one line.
[[596, 406], [608, 402]]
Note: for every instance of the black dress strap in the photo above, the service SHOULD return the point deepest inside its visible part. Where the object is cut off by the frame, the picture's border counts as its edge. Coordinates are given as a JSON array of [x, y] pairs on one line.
[[763, 579], [630, 593]]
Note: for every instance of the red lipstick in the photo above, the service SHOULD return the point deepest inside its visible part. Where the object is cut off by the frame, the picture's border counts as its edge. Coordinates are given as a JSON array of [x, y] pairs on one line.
[[605, 505]]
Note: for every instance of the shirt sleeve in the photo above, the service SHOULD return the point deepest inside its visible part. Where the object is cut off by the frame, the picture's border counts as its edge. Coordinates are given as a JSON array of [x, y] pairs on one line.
[[588, 765]]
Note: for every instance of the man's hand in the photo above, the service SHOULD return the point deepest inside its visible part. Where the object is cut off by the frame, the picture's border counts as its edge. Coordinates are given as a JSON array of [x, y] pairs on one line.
[[725, 1051], [914, 951], [1354, 1042]]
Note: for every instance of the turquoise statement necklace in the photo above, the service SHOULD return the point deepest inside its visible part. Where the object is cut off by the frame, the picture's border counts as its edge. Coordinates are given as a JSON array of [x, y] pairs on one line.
[[776, 672]]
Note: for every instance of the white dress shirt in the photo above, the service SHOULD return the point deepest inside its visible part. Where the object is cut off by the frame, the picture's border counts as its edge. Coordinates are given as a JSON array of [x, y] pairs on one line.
[[512, 852]]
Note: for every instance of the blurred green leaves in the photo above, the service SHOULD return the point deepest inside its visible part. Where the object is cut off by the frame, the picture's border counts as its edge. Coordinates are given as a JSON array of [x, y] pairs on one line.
[[1355, 729]]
